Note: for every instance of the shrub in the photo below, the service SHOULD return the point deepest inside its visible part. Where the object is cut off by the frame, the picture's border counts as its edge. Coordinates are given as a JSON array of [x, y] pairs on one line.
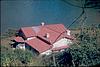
[[16, 57]]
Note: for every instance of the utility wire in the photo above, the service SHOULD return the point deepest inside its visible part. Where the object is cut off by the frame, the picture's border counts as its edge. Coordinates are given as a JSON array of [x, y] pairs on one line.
[[66, 1], [71, 4], [76, 19], [71, 25], [83, 11]]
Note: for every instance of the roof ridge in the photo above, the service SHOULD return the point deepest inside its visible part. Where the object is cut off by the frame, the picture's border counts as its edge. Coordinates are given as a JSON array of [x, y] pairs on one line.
[[43, 39], [40, 25]]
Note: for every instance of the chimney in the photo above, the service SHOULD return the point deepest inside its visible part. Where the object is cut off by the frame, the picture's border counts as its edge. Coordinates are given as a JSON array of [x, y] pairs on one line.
[[68, 32], [42, 23], [47, 35]]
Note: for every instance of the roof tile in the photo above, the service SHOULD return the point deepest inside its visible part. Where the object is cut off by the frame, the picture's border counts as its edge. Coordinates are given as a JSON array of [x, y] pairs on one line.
[[38, 45], [28, 31], [18, 39]]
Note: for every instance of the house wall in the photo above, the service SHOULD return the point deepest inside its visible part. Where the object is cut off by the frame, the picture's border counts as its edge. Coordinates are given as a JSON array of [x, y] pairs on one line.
[[21, 34], [27, 47], [68, 32], [62, 42], [34, 51], [48, 52], [21, 46]]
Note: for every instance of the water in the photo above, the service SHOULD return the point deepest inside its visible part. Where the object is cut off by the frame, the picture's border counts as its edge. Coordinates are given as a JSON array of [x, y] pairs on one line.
[[16, 14]]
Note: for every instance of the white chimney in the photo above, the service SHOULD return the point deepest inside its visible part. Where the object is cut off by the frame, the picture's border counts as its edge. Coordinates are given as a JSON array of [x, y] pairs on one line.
[[68, 32], [42, 23], [47, 35]]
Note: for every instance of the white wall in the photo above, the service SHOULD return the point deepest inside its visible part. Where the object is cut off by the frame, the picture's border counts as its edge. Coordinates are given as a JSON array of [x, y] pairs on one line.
[[48, 52], [21, 46], [62, 42], [68, 32]]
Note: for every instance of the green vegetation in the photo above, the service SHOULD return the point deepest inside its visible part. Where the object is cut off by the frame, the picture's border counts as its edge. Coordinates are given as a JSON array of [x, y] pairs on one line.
[[88, 49], [87, 54], [17, 57], [9, 33]]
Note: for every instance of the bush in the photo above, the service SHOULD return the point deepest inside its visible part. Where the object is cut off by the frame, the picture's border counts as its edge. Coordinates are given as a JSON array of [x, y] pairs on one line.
[[16, 57], [87, 54]]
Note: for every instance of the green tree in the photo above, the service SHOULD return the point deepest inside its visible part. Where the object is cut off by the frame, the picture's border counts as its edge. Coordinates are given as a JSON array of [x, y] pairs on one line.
[[17, 57]]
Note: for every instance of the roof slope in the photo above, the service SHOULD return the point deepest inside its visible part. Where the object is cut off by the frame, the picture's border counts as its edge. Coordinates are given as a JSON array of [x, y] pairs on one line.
[[28, 31], [39, 45], [19, 39], [53, 34], [42, 30], [56, 27]]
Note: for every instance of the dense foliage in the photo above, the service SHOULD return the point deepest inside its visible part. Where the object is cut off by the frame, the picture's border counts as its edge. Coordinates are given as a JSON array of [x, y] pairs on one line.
[[87, 52], [17, 57]]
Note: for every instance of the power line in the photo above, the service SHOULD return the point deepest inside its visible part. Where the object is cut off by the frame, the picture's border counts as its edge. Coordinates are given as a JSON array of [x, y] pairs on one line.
[[73, 22], [71, 4], [83, 11], [76, 19], [93, 6]]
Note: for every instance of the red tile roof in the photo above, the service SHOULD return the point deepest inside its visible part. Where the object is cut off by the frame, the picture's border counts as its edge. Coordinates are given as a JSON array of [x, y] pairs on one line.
[[33, 31], [56, 27], [53, 34], [38, 45], [18, 39], [44, 39], [28, 31]]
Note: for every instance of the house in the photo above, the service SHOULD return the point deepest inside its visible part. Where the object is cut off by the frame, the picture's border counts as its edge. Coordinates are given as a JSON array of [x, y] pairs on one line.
[[44, 39]]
